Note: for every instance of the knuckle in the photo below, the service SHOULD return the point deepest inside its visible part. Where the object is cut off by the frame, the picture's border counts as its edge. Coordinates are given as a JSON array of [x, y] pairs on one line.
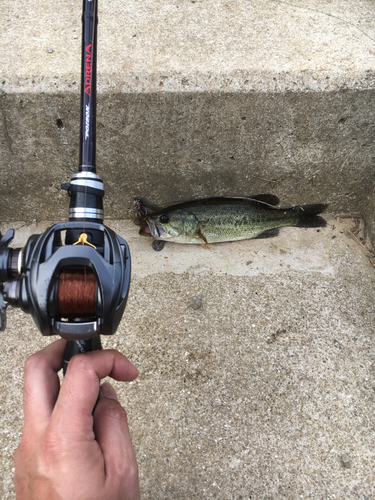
[[114, 411], [25, 449], [51, 445], [128, 470], [34, 362]]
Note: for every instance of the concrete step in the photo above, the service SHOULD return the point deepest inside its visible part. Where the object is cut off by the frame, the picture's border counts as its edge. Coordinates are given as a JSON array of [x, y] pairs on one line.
[[266, 390], [196, 98]]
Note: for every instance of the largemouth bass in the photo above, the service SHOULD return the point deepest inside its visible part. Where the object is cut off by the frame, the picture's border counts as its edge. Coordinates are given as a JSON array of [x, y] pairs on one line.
[[216, 220]]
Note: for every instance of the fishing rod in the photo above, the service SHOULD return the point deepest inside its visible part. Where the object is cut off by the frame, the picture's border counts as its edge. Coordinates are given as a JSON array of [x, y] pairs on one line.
[[74, 278]]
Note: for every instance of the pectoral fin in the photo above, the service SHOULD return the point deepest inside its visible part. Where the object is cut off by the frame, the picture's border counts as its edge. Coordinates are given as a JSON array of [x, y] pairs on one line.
[[205, 245], [200, 234]]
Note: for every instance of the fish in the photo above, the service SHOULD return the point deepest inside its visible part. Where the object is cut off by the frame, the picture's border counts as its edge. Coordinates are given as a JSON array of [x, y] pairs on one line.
[[217, 220]]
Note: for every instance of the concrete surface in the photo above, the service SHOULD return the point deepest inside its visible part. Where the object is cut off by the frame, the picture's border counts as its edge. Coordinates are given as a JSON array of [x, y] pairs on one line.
[[196, 98], [265, 392]]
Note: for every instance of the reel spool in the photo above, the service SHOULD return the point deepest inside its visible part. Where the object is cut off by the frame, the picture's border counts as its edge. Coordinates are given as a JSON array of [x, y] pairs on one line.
[[76, 293]]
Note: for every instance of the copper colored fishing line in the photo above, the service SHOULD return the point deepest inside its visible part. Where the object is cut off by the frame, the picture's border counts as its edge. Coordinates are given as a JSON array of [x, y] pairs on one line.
[[76, 293]]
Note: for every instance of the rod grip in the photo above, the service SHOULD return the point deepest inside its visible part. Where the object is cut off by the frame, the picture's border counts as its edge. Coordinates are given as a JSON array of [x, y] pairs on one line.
[[74, 347]]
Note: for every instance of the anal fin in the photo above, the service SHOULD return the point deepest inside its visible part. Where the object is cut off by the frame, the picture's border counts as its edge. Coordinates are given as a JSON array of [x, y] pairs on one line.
[[270, 233]]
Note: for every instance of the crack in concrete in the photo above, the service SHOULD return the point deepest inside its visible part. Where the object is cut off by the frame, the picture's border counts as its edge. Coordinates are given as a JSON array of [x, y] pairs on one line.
[[326, 14], [7, 138]]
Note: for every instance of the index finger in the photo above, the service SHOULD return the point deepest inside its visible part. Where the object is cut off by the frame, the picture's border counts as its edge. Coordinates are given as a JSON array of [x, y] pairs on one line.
[[80, 388]]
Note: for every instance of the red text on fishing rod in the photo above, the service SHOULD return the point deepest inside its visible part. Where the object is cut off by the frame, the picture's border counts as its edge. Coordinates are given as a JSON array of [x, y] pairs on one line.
[[88, 70]]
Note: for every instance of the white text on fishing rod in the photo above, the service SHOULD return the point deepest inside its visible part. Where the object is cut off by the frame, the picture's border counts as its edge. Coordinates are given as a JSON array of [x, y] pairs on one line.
[[87, 121]]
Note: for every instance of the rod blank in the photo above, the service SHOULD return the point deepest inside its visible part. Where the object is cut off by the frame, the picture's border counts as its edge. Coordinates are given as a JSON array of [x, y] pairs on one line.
[[87, 151]]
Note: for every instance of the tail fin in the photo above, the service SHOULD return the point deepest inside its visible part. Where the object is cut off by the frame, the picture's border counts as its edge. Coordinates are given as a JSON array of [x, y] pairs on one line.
[[308, 215]]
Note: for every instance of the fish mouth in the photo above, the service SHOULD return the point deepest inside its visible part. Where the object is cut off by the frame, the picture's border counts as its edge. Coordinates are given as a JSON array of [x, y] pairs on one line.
[[150, 230]]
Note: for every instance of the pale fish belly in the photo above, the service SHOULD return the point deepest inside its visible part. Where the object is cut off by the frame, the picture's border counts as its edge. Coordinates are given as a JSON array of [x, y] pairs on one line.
[[219, 236]]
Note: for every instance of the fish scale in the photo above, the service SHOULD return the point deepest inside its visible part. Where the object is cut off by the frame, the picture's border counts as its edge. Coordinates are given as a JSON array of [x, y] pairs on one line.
[[238, 222]]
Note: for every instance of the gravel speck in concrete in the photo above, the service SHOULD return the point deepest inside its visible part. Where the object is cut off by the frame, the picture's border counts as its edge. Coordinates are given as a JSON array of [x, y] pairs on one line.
[[346, 460], [196, 303]]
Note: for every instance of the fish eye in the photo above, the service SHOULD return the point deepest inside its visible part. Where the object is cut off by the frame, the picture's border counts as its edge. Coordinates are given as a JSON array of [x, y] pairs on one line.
[[164, 219]]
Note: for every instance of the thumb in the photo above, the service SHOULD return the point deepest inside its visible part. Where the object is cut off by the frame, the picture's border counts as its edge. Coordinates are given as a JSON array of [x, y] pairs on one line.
[[107, 391], [113, 436]]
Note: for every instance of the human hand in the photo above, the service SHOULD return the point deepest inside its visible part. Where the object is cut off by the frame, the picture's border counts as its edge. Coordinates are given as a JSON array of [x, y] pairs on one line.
[[66, 452]]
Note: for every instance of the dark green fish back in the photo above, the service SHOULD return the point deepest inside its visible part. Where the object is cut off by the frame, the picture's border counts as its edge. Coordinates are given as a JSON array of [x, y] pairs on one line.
[[264, 199]]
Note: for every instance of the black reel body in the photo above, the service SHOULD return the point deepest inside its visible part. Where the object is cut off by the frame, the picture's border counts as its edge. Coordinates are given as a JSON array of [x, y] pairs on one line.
[[45, 259]]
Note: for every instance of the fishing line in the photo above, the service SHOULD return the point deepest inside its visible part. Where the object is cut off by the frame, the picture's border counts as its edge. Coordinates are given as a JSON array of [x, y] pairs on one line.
[[326, 14], [93, 57], [91, 293]]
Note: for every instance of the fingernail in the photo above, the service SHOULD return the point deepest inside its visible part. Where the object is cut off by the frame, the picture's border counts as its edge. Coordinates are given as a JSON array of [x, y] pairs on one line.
[[107, 391]]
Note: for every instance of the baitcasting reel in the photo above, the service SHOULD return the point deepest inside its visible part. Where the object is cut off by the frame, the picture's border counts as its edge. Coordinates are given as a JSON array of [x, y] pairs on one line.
[[74, 278], [75, 291]]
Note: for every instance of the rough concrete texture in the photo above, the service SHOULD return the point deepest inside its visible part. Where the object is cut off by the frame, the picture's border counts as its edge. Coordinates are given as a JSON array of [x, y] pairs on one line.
[[177, 147], [196, 98], [193, 45], [265, 392]]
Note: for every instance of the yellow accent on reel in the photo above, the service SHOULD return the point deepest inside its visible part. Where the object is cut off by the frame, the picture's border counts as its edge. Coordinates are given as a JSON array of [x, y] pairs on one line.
[[82, 240]]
